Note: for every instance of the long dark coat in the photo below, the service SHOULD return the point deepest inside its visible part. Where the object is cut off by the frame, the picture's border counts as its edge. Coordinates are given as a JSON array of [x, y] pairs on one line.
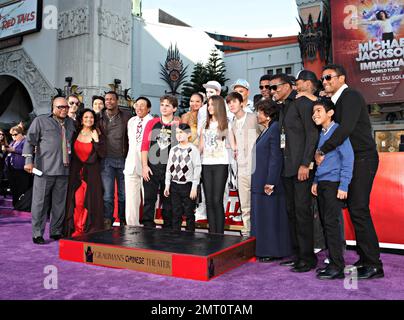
[[269, 220], [94, 196]]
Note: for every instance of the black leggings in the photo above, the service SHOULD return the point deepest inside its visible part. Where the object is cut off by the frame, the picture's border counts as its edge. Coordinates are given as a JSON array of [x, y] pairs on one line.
[[214, 179]]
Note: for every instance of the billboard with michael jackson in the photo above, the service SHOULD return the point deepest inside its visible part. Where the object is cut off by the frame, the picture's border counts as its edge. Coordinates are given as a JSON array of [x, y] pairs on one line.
[[368, 40]]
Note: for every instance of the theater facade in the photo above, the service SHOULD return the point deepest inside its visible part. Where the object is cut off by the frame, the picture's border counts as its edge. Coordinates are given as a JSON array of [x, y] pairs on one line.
[[48, 44]]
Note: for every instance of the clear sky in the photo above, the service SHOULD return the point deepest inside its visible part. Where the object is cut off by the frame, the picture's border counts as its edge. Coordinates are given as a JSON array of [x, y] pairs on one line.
[[255, 18]]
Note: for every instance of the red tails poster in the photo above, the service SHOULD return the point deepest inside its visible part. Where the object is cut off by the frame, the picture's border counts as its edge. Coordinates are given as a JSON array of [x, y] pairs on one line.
[[368, 40]]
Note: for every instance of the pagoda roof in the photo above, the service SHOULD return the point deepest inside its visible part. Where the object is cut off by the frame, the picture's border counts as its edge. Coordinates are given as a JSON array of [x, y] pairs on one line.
[[235, 44]]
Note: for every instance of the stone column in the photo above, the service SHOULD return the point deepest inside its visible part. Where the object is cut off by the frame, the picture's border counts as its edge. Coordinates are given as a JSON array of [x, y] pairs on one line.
[[95, 44]]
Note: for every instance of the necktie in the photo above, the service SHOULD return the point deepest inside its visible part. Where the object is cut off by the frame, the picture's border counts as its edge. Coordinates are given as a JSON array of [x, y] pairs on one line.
[[139, 130], [65, 146]]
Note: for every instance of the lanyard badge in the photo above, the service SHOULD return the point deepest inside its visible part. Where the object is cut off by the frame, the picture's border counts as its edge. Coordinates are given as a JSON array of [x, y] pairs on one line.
[[283, 139]]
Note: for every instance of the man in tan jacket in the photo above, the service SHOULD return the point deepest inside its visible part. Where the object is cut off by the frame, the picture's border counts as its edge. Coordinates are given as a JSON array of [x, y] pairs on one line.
[[245, 130]]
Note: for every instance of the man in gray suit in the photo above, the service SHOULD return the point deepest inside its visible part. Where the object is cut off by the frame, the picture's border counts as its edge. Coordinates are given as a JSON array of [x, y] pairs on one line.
[[49, 142]]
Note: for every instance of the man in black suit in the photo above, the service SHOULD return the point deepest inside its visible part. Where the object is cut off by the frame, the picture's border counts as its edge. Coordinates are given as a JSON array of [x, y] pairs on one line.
[[299, 137], [351, 113]]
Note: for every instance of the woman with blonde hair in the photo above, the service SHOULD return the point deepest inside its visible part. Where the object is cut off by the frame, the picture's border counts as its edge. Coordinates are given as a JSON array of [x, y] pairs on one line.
[[191, 117]]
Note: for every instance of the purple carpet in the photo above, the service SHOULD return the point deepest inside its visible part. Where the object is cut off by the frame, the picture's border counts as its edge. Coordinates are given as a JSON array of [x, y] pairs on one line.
[[23, 264]]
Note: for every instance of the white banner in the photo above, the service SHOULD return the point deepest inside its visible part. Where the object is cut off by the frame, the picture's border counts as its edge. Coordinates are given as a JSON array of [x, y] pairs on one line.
[[20, 18]]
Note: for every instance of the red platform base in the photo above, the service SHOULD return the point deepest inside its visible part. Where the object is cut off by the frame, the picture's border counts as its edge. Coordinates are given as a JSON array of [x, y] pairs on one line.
[[197, 256]]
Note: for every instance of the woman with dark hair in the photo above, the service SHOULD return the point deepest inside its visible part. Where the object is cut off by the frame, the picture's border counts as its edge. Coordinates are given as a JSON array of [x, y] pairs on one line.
[[215, 142], [269, 219], [98, 104], [85, 210], [20, 181]]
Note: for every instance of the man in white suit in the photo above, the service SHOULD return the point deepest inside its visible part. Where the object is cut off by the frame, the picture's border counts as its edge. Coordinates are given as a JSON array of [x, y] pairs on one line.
[[133, 163]]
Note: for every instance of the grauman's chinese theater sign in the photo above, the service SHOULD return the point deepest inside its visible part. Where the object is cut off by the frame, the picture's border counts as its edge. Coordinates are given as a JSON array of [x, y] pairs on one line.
[[368, 40], [20, 18]]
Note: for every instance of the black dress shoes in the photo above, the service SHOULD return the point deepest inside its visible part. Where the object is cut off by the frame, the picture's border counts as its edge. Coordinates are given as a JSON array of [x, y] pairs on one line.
[[303, 267], [268, 259], [358, 264], [331, 274], [289, 263], [319, 270], [370, 273], [38, 240], [56, 237]]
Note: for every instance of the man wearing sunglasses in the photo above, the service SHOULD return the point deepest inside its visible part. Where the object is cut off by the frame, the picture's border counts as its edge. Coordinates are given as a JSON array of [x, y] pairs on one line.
[[264, 89], [299, 137], [351, 113], [47, 149], [74, 104]]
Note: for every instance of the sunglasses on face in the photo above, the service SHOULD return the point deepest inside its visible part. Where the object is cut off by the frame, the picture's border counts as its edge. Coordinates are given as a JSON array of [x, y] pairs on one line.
[[274, 87], [62, 107], [266, 87], [14, 135], [328, 77]]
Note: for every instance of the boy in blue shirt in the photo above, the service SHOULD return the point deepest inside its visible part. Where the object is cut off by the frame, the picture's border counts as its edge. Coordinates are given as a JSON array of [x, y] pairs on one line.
[[330, 185]]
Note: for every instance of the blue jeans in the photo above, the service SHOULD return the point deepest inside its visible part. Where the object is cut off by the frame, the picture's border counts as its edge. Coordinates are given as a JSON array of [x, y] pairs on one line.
[[112, 169]]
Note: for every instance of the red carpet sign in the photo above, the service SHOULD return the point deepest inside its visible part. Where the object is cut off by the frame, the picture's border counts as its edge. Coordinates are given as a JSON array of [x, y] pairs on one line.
[[368, 40]]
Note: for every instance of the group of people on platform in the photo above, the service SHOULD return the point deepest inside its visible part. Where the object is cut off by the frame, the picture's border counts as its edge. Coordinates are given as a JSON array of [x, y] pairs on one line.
[[286, 147]]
